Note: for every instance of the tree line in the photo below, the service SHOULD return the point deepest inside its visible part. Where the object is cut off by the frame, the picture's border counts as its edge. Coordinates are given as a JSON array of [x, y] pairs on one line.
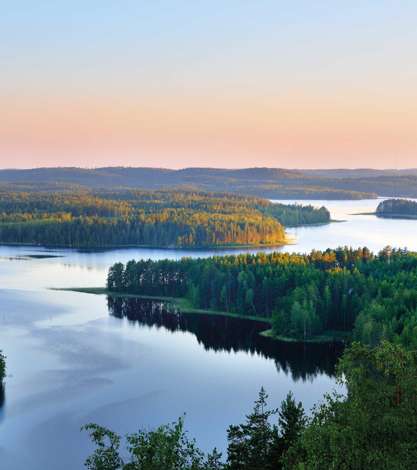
[[295, 215], [372, 426], [274, 183], [149, 218], [372, 296], [397, 208], [2, 367]]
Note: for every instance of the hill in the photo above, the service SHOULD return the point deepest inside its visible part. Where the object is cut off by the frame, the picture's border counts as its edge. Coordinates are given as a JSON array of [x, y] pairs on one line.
[[273, 183]]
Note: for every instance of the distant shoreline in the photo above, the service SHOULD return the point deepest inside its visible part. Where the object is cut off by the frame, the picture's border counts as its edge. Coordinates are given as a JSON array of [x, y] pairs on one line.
[[287, 241], [396, 216], [389, 216]]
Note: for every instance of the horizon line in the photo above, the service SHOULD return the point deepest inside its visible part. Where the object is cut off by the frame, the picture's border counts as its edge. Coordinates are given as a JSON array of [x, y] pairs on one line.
[[92, 168]]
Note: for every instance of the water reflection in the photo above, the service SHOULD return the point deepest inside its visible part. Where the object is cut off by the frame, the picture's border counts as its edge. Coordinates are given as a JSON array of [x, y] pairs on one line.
[[2, 400], [217, 333]]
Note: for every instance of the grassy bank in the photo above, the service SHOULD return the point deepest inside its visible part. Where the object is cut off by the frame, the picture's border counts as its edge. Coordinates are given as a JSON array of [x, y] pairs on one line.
[[185, 307], [326, 337], [182, 303]]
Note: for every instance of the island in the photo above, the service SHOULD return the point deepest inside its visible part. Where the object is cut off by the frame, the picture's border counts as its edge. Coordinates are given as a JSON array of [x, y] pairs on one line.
[[324, 296], [397, 209], [168, 219]]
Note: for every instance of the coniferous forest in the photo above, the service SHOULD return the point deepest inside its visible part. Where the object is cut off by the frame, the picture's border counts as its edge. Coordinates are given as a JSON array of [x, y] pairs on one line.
[[371, 296], [208, 235], [372, 424], [367, 300], [397, 209], [157, 219]]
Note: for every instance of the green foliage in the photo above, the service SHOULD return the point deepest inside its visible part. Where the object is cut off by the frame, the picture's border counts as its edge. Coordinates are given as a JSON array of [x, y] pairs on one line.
[[397, 208], [375, 424], [294, 215], [165, 448], [106, 456], [257, 444], [119, 278], [164, 219], [346, 290], [158, 218], [291, 421], [252, 443]]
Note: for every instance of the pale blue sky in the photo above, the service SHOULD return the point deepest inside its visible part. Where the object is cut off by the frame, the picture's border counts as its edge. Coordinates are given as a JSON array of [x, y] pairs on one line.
[[203, 51]]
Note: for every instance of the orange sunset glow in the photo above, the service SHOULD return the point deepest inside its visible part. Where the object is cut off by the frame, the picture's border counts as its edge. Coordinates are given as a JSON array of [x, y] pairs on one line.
[[276, 101]]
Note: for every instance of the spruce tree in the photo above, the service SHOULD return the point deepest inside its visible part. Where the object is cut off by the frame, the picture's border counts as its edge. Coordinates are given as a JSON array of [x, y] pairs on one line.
[[251, 443]]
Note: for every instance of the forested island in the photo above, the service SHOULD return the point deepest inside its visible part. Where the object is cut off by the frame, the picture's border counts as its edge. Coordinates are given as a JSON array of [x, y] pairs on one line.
[[397, 209], [326, 294], [87, 219], [372, 426]]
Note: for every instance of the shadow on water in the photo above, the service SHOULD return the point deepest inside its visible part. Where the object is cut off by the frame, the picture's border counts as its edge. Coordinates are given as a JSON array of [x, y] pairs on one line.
[[2, 400], [220, 333]]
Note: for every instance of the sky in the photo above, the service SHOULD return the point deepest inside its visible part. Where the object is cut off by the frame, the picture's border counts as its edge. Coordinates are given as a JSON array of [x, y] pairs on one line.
[[221, 83]]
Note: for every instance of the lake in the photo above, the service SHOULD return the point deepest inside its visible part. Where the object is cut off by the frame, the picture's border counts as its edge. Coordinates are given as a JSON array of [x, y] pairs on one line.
[[358, 230], [76, 358]]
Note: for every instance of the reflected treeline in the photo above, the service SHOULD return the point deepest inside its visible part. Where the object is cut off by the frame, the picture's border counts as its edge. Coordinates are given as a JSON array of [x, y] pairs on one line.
[[221, 333], [2, 395]]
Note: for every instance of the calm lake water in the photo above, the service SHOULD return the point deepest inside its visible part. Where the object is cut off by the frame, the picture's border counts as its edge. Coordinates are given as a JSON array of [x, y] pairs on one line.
[[75, 358]]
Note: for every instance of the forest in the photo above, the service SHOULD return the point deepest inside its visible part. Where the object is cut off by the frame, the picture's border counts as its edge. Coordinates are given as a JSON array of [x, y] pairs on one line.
[[397, 209], [86, 219], [369, 296], [372, 426], [272, 183]]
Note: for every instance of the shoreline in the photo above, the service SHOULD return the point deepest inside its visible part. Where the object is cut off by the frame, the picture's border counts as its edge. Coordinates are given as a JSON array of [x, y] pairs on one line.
[[396, 216], [388, 216], [287, 241], [185, 308]]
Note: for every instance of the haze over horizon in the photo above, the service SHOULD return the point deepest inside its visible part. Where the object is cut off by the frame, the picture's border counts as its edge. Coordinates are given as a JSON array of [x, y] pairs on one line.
[[206, 167], [208, 84]]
